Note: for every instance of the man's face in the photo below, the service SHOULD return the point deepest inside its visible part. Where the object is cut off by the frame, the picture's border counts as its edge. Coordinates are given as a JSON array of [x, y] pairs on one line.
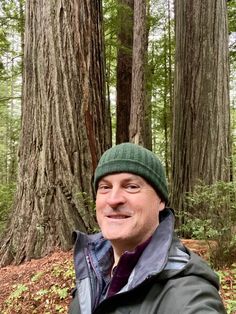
[[127, 209]]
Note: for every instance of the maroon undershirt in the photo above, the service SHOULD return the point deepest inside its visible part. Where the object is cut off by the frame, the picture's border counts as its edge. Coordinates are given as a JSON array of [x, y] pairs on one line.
[[124, 268]]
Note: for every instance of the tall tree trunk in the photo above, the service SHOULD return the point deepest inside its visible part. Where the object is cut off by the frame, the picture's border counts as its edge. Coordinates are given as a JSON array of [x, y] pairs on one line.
[[139, 108], [170, 83], [201, 122], [148, 99], [63, 127], [124, 69], [12, 169], [166, 114]]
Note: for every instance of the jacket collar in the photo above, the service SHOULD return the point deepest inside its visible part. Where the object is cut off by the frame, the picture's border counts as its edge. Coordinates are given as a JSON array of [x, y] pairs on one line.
[[155, 256]]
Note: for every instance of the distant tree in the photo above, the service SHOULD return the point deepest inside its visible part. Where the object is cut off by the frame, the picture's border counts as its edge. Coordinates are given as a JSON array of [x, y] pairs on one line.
[[110, 43], [201, 123], [160, 78], [11, 41], [64, 119]]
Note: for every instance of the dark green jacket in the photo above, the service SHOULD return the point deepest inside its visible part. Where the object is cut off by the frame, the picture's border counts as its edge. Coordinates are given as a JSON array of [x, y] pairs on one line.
[[167, 279]]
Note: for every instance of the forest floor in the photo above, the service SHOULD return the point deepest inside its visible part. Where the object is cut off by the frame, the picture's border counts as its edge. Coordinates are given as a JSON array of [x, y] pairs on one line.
[[44, 285]]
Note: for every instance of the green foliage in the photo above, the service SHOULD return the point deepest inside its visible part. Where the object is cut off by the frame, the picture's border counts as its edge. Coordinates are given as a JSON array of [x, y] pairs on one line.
[[12, 14], [17, 292], [86, 199], [87, 207], [4, 45], [213, 217], [58, 270], [61, 292], [228, 288], [11, 34], [198, 228], [37, 276], [41, 293], [60, 309], [231, 5]]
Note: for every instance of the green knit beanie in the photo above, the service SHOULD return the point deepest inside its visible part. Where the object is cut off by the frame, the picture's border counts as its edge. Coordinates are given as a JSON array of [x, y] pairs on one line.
[[132, 158]]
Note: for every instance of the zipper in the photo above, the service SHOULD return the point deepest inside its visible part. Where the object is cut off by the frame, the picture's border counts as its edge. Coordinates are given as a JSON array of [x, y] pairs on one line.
[[95, 289]]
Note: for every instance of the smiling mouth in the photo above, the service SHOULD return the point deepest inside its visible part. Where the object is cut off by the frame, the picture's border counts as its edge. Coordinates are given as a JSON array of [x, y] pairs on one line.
[[118, 217]]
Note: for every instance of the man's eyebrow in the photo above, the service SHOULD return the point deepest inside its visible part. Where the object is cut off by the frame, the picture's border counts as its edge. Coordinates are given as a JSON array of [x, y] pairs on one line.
[[132, 177], [103, 181]]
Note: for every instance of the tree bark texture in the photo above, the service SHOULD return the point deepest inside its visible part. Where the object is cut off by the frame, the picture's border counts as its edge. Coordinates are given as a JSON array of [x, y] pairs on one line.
[[148, 97], [137, 130], [124, 69], [201, 120], [64, 129]]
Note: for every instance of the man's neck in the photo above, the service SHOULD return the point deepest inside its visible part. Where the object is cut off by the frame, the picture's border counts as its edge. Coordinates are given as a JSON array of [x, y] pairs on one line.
[[118, 252], [117, 255]]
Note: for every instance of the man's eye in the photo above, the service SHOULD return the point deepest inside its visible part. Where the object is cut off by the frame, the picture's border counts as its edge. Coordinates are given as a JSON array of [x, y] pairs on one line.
[[103, 187], [132, 188]]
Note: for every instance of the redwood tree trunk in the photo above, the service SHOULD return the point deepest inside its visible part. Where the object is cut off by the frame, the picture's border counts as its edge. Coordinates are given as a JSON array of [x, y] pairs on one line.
[[201, 122], [138, 132], [124, 69], [64, 129]]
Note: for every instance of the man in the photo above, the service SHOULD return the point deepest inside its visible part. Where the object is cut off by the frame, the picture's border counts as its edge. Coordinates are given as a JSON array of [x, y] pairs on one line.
[[136, 264]]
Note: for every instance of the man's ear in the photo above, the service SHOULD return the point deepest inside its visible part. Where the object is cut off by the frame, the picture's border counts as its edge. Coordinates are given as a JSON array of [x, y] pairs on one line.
[[162, 205]]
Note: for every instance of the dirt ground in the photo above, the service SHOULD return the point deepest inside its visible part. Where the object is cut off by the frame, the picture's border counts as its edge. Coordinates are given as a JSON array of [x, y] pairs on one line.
[[37, 275]]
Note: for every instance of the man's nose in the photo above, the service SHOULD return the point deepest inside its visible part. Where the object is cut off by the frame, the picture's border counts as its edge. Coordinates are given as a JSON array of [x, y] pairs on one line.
[[115, 197]]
